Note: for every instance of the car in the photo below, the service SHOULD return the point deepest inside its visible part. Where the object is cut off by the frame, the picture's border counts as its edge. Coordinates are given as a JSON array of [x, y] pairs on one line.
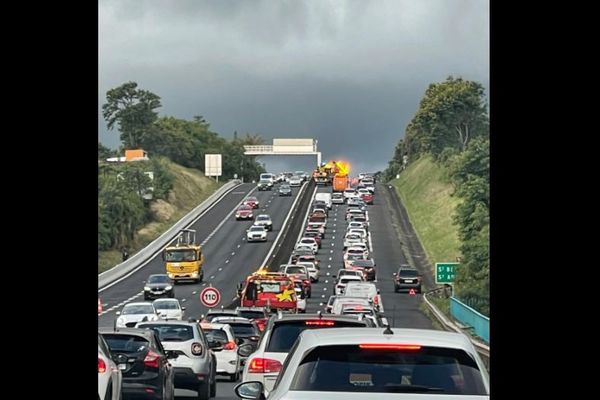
[[110, 377], [256, 233], [299, 272], [367, 198], [264, 184], [228, 361], [306, 248], [256, 314], [245, 331], [284, 190], [367, 266], [337, 198], [168, 309], [244, 212], [295, 180], [132, 313], [300, 296], [354, 212], [356, 225], [356, 251], [267, 177], [342, 302], [341, 282], [302, 174], [378, 363], [328, 306], [308, 241], [265, 363], [158, 285], [350, 193], [252, 202], [313, 271], [352, 239], [264, 220], [407, 277], [144, 363], [219, 312], [367, 290], [195, 365], [315, 235]]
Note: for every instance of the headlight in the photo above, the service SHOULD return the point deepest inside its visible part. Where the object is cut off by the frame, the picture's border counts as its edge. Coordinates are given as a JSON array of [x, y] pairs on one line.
[[169, 287], [147, 288], [237, 215]]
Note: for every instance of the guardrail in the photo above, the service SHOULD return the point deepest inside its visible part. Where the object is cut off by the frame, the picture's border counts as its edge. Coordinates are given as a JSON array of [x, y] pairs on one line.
[[482, 348], [139, 259], [471, 318]]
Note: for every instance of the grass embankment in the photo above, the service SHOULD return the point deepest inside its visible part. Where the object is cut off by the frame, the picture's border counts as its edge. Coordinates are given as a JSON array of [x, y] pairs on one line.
[[190, 188], [426, 193]]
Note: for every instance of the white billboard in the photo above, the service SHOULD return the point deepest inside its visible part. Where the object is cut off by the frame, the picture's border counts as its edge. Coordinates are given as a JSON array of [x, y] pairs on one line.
[[212, 165]]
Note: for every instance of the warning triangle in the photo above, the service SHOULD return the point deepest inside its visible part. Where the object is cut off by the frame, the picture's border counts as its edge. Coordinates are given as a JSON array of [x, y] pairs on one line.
[[412, 291]]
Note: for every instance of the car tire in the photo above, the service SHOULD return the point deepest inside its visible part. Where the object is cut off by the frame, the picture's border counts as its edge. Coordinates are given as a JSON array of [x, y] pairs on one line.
[[204, 391], [213, 385]]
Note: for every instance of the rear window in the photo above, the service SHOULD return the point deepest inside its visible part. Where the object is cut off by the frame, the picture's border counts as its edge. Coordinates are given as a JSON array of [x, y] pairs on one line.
[[171, 332], [252, 314], [216, 335], [409, 272], [125, 343], [350, 368], [243, 330], [285, 333]]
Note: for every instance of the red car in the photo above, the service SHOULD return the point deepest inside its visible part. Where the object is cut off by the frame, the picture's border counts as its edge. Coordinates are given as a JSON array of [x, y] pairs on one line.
[[367, 198], [252, 202], [244, 212]]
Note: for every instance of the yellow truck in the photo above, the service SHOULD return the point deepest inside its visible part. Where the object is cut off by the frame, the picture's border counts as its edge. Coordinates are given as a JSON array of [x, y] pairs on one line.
[[184, 260]]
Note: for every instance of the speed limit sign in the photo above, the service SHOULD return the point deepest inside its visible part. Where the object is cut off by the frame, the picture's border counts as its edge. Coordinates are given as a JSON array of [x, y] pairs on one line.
[[210, 297]]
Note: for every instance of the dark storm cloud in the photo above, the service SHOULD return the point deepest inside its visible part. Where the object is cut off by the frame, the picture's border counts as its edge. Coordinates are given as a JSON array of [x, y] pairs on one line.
[[349, 73]]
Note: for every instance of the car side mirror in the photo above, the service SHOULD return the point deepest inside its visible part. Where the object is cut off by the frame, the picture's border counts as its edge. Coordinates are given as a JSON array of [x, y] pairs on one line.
[[249, 390], [246, 349]]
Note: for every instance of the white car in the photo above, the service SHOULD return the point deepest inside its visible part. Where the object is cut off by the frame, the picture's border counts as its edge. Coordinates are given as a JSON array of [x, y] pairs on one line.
[[296, 180], [367, 290], [313, 271], [349, 193], [168, 309], [264, 220], [256, 233], [337, 198], [354, 212], [309, 241], [356, 225], [306, 247], [300, 298], [341, 302], [352, 239], [110, 377], [133, 313], [228, 360], [360, 231], [378, 363], [356, 251], [341, 283]]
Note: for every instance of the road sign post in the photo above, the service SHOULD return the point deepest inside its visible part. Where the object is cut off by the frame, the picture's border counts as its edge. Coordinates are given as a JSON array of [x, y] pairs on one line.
[[445, 272], [210, 297]]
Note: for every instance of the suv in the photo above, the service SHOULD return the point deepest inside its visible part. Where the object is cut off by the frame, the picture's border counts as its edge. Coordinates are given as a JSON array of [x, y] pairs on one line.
[[196, 365], [264, 220], [407, 277], [265, 184], [145, 364], [280, 334]]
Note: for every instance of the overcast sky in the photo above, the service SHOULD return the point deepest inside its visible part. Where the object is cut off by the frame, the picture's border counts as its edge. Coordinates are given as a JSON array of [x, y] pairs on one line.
[[348, 73]]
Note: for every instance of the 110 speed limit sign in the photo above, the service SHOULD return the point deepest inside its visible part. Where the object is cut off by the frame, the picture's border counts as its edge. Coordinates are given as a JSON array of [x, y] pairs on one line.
[[210, 297]]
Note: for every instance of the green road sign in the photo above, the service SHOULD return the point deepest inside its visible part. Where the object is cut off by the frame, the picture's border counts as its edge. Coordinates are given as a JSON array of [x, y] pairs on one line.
[[445, 272]]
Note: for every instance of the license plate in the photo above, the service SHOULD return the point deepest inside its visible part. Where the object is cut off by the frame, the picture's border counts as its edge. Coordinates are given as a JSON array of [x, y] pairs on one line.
[[122, 366], [408, 281]]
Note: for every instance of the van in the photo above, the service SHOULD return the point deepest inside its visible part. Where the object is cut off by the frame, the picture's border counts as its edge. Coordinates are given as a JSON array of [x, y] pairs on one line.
[[268, 177], [326, 197]]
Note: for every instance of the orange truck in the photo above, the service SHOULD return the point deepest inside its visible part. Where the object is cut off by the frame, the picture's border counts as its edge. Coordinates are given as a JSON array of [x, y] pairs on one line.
[[269, 289], [340, 183]]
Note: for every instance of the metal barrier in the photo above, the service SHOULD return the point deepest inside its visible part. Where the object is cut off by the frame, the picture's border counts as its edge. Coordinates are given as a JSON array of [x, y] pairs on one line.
[[142, 257], [482, 348], [471, 318]]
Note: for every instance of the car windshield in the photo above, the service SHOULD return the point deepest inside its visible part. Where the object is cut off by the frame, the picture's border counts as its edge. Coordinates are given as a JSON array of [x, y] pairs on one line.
[[179, 255], [138, 309], [256, 229], [285, 333], [362, 263], [158, 279], [295, 270], [355, 368], [263, 218], [409, 272], [171, 332], [284, 187]]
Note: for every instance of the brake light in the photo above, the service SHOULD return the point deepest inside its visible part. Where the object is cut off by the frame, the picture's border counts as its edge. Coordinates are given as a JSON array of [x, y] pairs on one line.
[[151, 359], [196, 349], [306, 281], [389, 346], [264, 366], [101, 366], [229, 346], [319, 323], [376, 300]]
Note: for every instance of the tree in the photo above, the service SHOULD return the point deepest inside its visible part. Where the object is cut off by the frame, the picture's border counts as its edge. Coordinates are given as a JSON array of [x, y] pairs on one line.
[[104, 152], [133, 110]]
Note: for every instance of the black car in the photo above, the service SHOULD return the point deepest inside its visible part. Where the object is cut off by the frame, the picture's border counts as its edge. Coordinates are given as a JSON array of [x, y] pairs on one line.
[[285, 190], [158, 285], [144, 362], [407, 277], [367, 267], [264, 185]]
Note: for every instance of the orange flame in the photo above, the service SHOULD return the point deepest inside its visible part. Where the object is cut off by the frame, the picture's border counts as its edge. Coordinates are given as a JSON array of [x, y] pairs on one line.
[[343, 168]]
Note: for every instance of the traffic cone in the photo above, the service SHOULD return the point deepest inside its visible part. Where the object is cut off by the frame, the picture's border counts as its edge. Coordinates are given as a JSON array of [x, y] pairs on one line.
[[412, 292]]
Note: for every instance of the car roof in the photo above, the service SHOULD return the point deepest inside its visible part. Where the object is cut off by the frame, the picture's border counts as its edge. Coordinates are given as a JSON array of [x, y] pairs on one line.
[[221, 310], [169, 322], [139, 303], [423, 337], [164, 300], [226, 320], [127, 331], [310, 316]]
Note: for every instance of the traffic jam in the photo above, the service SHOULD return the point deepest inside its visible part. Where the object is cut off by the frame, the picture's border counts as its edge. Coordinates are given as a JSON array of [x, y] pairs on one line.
[[314, 327]]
